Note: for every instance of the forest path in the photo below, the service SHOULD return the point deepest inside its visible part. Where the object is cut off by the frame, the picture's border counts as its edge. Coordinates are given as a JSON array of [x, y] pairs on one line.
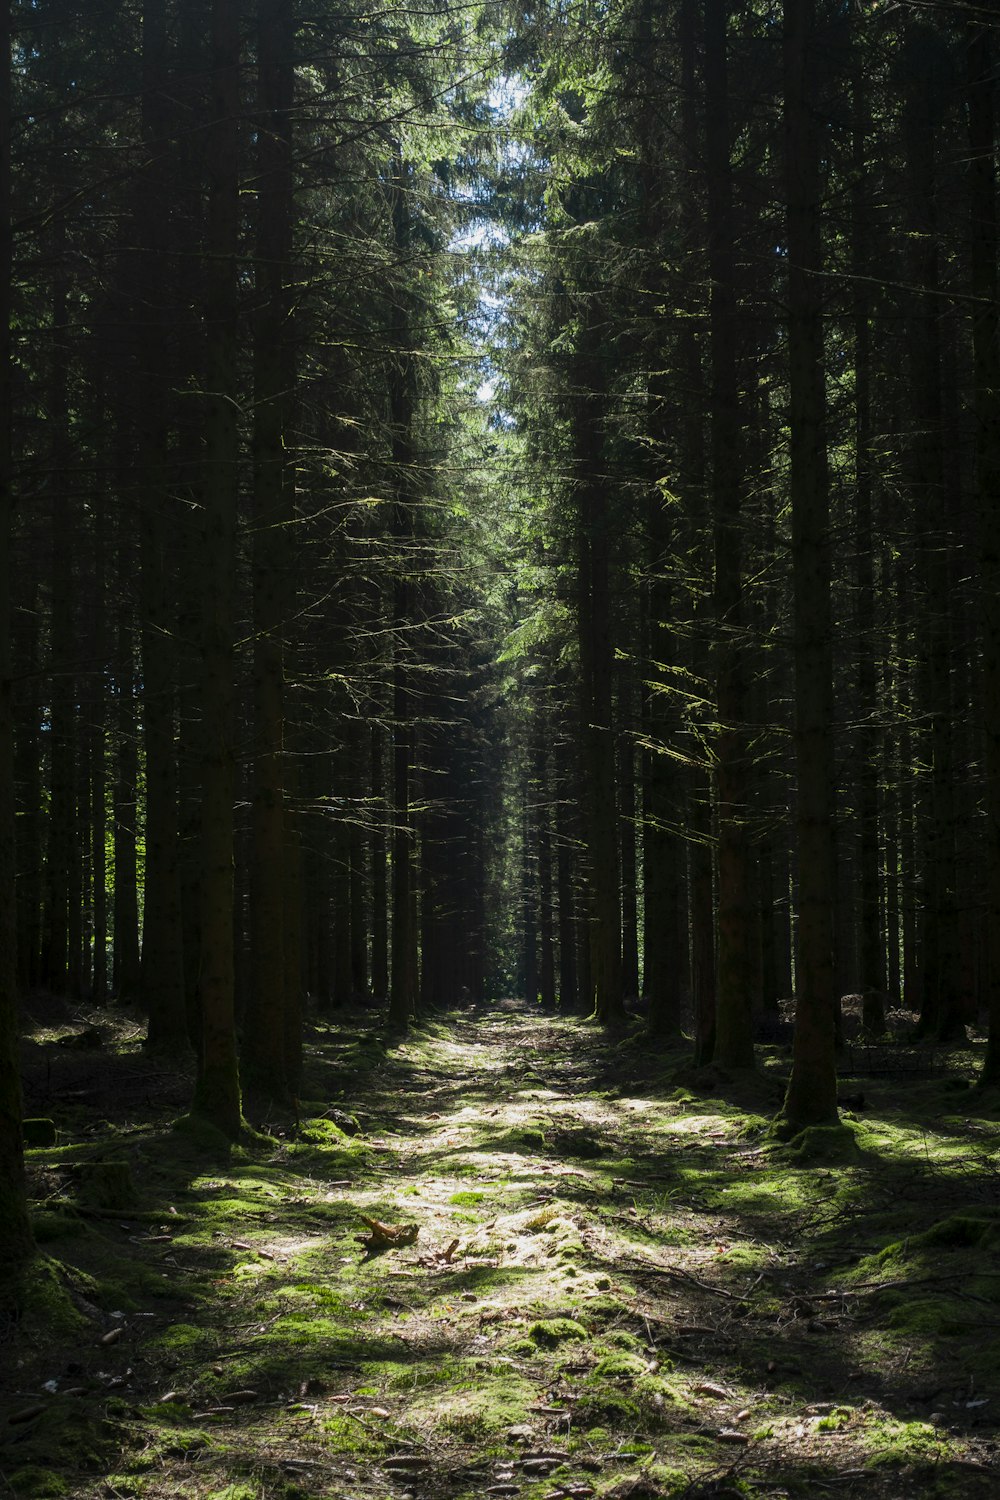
[[617, 1287]]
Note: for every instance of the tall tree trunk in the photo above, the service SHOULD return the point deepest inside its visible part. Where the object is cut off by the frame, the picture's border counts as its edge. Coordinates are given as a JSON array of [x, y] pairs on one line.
[[986, 353], [568, 978], [812, 1088], [594, 627], [98, 758], [402, 991], [15, 1230], [380, 893], [62, 831], [127, 967], [939, 1013], [627, 838], [734, 1028], [872, 953], [29, 767], [529, 901], [162, 940], [217, 1090], [547, 963], [274, 507]]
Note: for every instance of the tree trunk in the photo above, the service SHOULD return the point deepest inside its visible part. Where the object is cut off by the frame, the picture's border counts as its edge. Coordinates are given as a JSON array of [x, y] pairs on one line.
[[734, 1027], [812, 1087], [380, 893], [568, 978], [547, 964], [939, 1013], [62, 833], [264, 1029], [627, 838], [986, 353], [872, 954], [402, 992], [217, 1091], [162, 944], [597, 740], [127, 969], [15, 1230], [529, 902]]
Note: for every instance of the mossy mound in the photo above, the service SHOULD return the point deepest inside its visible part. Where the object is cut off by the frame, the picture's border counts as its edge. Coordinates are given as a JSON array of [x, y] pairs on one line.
[[50, 1298], [606, 1406], [58, 1222], [620, 1366], [202, 1137], [825, 1144], [930, 1317], [957, 1233], [322, 1132], [521, 1138], [36, 1483], [549, 1333], [38, 1133]]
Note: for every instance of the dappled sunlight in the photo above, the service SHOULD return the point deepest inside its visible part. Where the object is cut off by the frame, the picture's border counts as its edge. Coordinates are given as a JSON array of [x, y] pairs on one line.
[[586, 1275]]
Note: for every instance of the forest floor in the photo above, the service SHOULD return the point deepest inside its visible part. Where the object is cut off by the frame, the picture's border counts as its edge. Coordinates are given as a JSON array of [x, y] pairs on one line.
[[619, 1286]]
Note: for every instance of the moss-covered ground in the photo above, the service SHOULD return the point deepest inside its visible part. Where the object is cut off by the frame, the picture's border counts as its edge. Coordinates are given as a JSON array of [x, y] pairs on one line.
[[621, 1285]]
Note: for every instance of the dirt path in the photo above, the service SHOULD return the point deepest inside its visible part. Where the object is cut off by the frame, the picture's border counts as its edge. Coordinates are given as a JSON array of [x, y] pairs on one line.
[[615, 1288]]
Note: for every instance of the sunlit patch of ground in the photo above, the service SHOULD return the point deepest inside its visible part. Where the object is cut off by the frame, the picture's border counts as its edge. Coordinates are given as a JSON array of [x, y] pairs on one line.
[[615, 1287]]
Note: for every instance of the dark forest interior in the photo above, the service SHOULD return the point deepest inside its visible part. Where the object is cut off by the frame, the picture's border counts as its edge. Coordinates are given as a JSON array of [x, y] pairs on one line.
[[500, 558]]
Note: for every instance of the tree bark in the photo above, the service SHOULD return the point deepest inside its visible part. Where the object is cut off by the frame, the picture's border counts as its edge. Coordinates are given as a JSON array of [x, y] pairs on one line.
[[812, 1088], [981, 87], [162, 939], [217, 1090], [15, 1230], [594, 629], [872, 953], [734, 1028]]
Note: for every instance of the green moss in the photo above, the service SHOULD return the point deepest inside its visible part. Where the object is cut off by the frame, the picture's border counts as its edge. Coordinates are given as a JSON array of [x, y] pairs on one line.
[[620, 1338], [821, 1143], [605, 1407], [897, 1443], [203, 1137], [478, 1405], [602, 1310], [524, 1138], [345, 1434], [960, 1231], [621, 1366], [53, 1224], [364, 1054], [320, 1132], [183, 1338], [46, 1304], [466, 1200], [548, 1333], [931, 1317], [520, 1345], [38, 1484]]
